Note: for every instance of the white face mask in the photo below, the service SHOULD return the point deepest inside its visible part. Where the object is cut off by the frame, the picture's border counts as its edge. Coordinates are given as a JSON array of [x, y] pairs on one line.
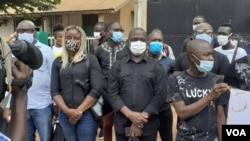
[[194, 26], [97, 35], [222, 40], [137, 47]]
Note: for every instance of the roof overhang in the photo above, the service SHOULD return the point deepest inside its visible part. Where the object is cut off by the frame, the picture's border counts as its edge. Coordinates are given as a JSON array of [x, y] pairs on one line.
[[80, 7]]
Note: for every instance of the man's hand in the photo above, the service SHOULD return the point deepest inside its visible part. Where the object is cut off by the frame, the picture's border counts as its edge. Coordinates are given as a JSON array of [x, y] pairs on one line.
[[95, 44], [217, 90], [7, 114], [135, 131], [138, 119], [21, 72]]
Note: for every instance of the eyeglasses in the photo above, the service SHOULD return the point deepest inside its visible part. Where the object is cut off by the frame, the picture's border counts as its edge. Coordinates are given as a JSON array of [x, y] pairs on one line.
[[157, 40], [118, 29], [201, 31], [224, 33], [25, 30]]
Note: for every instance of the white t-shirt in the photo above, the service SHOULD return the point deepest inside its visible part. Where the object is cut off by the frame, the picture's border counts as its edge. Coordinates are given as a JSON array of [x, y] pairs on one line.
[[229, 53], [171, 53], [57, 51]]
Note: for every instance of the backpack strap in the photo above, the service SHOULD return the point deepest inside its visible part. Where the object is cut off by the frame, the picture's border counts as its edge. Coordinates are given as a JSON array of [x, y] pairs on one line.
[[235, 53], [87, 62]]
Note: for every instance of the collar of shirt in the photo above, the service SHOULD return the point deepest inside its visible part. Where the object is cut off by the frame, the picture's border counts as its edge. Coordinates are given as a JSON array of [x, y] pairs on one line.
[[38, 44], [144, 58], [118, 47]]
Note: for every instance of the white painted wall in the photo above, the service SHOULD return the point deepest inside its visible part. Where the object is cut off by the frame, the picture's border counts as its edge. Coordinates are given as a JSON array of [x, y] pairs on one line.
[[140, 19]]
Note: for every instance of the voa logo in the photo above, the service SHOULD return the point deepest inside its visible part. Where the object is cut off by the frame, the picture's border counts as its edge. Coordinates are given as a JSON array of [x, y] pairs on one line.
[[236, 132]]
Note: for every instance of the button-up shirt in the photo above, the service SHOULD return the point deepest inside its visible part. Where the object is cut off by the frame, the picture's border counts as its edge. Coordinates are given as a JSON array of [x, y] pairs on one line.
[[63, 81], [39, 93], [137, 86], [107, 55]]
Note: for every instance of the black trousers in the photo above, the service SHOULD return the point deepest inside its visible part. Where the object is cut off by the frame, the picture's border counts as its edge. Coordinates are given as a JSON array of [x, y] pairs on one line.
[[151, 137], [166, 124]]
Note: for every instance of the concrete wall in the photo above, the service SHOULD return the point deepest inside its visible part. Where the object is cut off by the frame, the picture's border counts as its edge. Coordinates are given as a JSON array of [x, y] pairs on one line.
[[110, 17], [7, 30], [72, 20], [127, 18]]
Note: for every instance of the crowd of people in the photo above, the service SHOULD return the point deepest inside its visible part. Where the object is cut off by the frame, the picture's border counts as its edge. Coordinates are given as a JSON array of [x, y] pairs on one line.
[[139, 78]]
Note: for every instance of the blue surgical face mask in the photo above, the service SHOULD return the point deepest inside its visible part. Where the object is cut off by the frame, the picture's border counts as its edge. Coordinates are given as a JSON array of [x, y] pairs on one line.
[[205, 37], [205, 66], [29, 37], [155, 47], [117, 37]]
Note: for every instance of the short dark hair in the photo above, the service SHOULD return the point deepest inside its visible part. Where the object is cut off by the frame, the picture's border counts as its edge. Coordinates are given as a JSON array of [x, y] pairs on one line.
[[111, 23], [227, 25], [57, 28], [103, 25], [135, 29], [156, 30], [200, 16]]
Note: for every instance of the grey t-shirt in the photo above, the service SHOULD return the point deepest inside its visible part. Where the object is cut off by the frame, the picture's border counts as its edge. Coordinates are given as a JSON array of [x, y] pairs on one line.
[[190, 89]]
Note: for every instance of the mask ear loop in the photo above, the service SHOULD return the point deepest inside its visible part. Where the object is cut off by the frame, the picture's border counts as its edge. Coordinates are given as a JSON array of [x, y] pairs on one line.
[[196, 58]]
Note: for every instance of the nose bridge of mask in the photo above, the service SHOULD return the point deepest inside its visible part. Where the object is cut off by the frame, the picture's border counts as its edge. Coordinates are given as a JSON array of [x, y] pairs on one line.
[[223, 36], [138, 43], [156, 44], [117, 33]]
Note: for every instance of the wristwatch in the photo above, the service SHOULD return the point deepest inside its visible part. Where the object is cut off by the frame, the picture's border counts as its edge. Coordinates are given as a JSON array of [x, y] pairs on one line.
[[22, 83]]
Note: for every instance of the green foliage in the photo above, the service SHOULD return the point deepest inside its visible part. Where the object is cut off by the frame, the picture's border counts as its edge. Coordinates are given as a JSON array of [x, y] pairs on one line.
[[22, 6]]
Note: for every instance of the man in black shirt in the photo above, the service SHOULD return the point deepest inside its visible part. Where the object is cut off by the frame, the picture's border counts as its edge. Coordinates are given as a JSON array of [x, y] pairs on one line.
[[205, 32], [196, 21], [100, 35], [114, 48], [135, 91]]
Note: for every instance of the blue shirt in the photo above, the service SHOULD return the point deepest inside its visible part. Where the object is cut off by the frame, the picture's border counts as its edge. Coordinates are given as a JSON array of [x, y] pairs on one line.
[[168, 65], [39, 93]]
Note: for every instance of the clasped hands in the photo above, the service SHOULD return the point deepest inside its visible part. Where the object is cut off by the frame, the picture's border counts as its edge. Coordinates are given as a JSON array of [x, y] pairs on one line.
[[74, 115], [138, 121]]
